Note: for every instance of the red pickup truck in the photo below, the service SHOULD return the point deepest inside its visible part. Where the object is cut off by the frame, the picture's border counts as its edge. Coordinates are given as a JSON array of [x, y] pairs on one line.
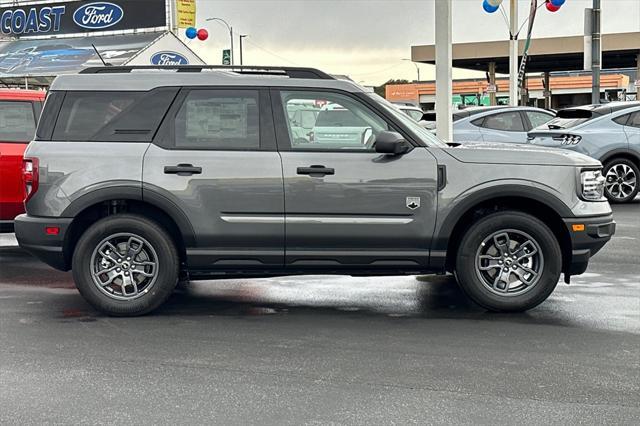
[[19, 112]]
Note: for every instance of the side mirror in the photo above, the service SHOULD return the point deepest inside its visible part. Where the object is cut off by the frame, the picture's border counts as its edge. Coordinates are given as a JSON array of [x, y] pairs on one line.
[[391, 143]]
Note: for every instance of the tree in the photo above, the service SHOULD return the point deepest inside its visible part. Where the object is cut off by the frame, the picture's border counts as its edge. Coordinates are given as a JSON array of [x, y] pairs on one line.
[[380, 90]]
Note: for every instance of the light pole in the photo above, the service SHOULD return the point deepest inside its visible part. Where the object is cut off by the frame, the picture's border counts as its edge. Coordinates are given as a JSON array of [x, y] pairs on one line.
[[230, 28], [241, 37], [417, 67]]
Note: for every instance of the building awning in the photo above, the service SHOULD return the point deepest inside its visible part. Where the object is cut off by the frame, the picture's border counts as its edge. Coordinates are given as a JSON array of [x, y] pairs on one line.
[[40, 60], [619, 50]]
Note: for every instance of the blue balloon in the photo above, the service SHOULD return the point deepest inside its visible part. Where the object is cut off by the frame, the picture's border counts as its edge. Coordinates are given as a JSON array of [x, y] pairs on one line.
[[557, 3], [488, 8], [191, 33]]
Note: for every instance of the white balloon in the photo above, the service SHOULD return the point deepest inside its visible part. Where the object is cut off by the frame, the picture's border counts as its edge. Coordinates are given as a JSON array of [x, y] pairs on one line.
[[494, 3]]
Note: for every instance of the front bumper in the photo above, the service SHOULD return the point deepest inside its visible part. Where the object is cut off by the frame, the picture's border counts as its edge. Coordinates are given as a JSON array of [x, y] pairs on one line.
[[32, 236], [595, 233]]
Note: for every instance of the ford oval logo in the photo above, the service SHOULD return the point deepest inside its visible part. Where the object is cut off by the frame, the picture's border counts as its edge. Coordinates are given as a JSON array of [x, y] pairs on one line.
[[169, 58], [98, 15]]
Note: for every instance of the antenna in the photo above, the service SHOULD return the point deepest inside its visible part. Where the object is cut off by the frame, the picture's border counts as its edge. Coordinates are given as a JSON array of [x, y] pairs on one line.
[[106, 64]]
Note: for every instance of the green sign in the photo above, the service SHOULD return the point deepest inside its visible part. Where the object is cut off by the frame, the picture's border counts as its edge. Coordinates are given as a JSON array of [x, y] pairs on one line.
[[226, 57]]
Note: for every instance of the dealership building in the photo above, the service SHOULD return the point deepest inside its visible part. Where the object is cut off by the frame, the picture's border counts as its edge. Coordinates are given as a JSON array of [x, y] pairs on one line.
[[555, 76], [41, 40]]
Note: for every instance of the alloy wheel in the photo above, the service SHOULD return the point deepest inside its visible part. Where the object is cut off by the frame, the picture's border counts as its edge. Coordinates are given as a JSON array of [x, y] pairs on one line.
[[620, 181], [509, 262], [124, 266]]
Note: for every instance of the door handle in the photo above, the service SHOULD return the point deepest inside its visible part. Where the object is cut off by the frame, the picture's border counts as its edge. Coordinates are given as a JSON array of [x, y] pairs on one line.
[[182, 170], [316, 170]]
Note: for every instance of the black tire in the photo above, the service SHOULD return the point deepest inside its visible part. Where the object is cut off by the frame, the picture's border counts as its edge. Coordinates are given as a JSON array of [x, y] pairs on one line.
[[469, 275], [166, 275], [615, 196]]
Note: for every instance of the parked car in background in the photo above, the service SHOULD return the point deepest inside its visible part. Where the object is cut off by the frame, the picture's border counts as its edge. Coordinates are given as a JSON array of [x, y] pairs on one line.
[[497, 124], [609, 133], [425, 119], [339, 125], [19, 112]]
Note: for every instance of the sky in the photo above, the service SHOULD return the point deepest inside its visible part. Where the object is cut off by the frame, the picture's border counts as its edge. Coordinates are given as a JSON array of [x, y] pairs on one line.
[[367, 39]]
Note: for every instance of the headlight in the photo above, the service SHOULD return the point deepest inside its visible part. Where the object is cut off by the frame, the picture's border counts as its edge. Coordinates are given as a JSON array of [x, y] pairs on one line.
[[592, 183]]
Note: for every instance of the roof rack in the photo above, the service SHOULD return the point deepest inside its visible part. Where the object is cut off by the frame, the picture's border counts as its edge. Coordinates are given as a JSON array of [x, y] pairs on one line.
[[291, 72]]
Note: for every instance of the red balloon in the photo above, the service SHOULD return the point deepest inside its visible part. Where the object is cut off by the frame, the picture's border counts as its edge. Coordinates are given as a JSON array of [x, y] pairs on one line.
[[203, 34], [551, 7]]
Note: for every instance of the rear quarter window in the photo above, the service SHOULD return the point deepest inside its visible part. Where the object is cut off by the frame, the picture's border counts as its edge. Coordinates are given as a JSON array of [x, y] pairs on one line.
[[111, 116]]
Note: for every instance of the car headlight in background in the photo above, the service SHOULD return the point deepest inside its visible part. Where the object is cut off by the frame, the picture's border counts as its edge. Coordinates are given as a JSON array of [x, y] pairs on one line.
[[592, 184]]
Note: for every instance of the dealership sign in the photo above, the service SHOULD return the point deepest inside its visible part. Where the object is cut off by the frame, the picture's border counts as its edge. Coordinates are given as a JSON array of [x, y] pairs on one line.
[[169, 58], [55, 18], [98, 16]]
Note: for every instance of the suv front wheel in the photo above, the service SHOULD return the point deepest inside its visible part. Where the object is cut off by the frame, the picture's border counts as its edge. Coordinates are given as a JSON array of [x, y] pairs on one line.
[[125, 265], [508, 261]]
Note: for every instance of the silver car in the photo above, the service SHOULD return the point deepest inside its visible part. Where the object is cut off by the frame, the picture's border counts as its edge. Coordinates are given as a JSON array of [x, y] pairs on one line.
[[609, 133], [137, 178], [497, 124]]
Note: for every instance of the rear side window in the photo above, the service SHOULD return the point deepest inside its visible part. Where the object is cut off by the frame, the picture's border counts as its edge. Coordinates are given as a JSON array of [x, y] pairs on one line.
[[538, 118], [17, 121], [111, 116], [218, 119], [85, 113], [622, 120], [634, 120], [508, 121]]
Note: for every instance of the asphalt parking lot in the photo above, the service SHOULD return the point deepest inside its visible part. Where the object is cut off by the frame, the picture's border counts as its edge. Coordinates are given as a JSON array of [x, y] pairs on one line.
[[325, 350]]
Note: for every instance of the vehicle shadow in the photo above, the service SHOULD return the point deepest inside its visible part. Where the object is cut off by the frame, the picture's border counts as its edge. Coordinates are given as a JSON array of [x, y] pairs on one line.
[[429, 296]]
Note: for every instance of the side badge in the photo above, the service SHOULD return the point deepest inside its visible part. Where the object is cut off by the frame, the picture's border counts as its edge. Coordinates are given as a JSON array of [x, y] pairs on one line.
[[413, 202]]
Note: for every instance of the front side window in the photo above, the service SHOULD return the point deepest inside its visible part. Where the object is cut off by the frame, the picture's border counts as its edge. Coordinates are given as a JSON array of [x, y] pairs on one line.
[[507, 121], [330, 122], [538, 118], [17, 122], [218, 119]]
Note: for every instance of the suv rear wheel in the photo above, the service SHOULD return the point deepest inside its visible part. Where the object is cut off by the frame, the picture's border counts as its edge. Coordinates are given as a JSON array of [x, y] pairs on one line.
[[621, 180], [508, 261], [125, 265]]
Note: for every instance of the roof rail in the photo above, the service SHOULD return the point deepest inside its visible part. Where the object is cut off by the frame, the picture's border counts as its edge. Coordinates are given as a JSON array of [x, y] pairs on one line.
[[291, 72]]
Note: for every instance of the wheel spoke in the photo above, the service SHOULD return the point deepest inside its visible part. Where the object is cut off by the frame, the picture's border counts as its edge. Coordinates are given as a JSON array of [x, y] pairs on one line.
[[502, 242], [134, 247], [111, 275], [525, 251], [489, 262], [109, 252]]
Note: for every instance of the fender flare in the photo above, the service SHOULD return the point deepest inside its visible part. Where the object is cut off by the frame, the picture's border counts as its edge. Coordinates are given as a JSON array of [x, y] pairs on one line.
[[134, 191], [625, 152], [444, 232]]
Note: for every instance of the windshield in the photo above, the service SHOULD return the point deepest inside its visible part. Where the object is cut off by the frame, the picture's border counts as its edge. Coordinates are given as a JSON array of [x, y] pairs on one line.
[[426, 136], [339, 118]]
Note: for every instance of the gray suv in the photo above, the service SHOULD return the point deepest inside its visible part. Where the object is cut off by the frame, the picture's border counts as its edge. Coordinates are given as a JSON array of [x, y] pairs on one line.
[[140, 177]]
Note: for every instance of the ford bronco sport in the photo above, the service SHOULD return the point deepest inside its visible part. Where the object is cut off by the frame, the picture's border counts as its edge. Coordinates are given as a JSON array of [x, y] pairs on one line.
[[138, 177]]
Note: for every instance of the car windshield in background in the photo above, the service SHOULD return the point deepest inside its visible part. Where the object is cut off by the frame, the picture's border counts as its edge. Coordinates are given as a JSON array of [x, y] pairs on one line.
[[339, 118], [413, 113], [428, 137]]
